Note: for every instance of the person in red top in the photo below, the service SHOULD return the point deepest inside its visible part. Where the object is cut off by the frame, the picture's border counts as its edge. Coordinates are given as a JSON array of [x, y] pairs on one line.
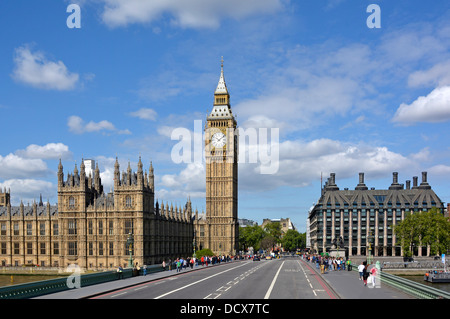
[[373, 273]]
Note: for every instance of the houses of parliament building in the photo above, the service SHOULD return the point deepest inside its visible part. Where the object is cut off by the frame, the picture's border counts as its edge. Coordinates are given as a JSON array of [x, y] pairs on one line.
[[92, 229], [95, 230]]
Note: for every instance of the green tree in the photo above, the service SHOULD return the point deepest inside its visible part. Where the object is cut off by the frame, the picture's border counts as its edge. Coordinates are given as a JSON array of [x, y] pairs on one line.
[[250, 236], [274, 230], [423, 229], [408, 232], [435, 231], [268, 242], [293, 240], [204, 252]]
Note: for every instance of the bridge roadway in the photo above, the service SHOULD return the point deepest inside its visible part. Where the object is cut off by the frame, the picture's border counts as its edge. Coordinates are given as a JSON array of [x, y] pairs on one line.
[[286, 278]]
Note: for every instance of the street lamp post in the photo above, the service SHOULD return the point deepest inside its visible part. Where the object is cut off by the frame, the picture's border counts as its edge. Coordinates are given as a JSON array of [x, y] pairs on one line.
[[193, 244], [130, 242], [369, 259]]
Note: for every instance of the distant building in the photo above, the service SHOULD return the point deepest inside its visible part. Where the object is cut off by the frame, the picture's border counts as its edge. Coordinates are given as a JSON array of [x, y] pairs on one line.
[[246, 222], [5, 197], [89, 167], [285, 223], [364, 217], [308, 238]]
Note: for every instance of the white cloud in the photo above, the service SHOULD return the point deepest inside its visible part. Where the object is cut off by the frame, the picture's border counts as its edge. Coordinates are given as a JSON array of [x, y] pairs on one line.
[[191, 181], [435, 107], [48, 151], [186, 14], [165, 130], [422, 156], [28, 190], [77, 125], [440, 170], [407, 45], [34, 69], [438, 75], [312, 86], [14, 166], [300, 163], [145, 114], [296, 107]]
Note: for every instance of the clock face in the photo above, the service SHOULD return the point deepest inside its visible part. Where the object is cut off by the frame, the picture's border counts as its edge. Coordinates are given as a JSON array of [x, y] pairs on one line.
[[218, 140]]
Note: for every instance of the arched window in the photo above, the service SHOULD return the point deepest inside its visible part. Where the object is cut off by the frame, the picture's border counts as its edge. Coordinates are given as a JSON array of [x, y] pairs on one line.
[[71, 202], [128, 201]]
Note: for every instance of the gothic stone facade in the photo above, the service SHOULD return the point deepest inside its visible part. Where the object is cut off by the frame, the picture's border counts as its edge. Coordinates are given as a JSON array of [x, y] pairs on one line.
[[219, 231], [90, 228], [364, 217]]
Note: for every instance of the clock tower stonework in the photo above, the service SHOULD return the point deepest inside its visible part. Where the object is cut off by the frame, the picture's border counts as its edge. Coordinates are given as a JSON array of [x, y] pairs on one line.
[[221, 154]]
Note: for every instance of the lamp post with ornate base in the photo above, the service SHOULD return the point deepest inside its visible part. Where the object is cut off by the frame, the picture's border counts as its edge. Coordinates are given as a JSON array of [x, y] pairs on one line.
[[130, 242]]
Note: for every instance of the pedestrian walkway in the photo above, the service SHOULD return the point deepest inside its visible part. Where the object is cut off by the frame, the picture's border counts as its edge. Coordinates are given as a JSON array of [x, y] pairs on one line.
[[348, 286], [89, 291]]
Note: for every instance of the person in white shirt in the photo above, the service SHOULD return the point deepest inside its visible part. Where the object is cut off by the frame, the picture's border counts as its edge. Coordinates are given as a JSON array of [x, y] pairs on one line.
[[360, 270]]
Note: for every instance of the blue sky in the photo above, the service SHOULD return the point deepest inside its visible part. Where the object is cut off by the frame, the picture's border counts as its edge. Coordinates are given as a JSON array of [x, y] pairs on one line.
[[345, 98]]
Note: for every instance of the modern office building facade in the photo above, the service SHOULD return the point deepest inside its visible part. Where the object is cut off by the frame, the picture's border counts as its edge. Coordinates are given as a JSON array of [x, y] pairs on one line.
[[364, 218]]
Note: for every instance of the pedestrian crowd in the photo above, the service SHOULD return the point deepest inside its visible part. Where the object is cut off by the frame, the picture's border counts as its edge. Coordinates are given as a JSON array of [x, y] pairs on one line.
[[328, 263], [183, 263], [367, 273]]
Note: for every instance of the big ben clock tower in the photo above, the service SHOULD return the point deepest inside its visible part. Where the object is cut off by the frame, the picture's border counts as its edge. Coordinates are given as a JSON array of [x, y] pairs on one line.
[[221, 154]]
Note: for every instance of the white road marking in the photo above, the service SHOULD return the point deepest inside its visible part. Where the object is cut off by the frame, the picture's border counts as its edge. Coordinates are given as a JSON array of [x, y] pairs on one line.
[[304, 272], [273, 282], [143, 287], [229, 284], [196, 282]]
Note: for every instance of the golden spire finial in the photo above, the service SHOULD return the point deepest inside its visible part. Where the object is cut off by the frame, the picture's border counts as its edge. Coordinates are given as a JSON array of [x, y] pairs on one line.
[[221, 63]]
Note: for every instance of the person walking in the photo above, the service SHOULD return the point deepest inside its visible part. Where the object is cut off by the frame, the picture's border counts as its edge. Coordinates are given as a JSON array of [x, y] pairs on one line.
[[373, 273], [178, 265], [361, 270], [322, 266], [366, 274], [120, 272]]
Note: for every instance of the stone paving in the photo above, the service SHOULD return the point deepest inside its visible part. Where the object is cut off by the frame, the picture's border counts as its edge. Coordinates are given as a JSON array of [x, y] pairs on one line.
[[348, 286]]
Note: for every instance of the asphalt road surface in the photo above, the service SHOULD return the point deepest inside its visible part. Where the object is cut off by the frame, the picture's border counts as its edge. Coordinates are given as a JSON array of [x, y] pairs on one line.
[[287, 278]]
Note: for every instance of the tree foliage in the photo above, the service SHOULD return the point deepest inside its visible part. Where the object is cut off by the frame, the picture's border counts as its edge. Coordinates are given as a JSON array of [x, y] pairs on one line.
[[293, 240], [256, 237], [428, 228], [250, 236], [274, 230], [204, 252]]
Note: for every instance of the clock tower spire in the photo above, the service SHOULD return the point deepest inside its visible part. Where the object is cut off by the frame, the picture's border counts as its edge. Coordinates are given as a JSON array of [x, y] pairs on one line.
[[221, 154], [221, 106]]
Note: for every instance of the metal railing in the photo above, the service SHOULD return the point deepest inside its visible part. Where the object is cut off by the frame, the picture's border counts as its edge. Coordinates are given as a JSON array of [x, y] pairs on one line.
[[415, 265], [39, 288], [411, 287], [416, 289]]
